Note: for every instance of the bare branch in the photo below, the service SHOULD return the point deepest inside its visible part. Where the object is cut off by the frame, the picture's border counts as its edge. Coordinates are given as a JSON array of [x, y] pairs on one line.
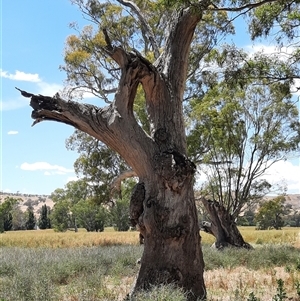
[[115, 126], [107, 39], [116, 184], [146, 27], [243, 7]]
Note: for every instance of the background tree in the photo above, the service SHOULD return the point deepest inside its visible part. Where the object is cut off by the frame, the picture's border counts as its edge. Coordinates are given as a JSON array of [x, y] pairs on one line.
[[89, 215], [97, 166], [247, 219], [270, 214], [18, 219], [294, 219], [119, 215], [60, 216], [30, 220], [6, 213], [159, 46], [245, 129], [119, 211], [44, 219]]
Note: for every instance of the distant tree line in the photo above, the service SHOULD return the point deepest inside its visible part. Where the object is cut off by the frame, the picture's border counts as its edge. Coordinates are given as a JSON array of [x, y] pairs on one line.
[[74, 208], [73, 213]]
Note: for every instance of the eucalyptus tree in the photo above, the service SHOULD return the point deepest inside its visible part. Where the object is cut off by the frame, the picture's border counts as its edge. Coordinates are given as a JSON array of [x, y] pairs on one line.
[[6, 213], [270, 214], [245, 130], [159, 47]]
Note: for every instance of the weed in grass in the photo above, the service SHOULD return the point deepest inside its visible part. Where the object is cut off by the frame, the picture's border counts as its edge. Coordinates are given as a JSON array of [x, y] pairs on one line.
[[252, 297], [298, 264], [281, 292], [297, 287]]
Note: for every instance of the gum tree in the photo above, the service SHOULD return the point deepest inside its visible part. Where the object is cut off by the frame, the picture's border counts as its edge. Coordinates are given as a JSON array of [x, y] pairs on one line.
[[155, 48]]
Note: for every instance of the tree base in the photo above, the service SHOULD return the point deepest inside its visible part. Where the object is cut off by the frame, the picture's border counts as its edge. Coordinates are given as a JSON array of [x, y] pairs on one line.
[[222, 226]]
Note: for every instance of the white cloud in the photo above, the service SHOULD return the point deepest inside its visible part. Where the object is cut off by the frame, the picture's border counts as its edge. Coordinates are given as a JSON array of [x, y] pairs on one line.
[[46, 167], [19, 102], [281, 53], [270, 49], [21, 76], [282, 173], [71, 179], [43, 88], [48, 89], [12, 132]]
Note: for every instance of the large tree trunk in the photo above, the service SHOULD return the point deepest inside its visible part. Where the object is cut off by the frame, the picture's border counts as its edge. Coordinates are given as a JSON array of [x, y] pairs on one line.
[[163, 203], [222, 226], [165, 212]]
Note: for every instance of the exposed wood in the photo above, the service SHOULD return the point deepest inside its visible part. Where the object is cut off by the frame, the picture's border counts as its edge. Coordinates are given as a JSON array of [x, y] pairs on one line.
[[116, 184], [222, 226], [145, 26], [162, 203]]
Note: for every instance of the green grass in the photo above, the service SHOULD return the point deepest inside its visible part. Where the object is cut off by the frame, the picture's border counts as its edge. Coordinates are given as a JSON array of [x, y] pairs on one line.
[[107, 273]]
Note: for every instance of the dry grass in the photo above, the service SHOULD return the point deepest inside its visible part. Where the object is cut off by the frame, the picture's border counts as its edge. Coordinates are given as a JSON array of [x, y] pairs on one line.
[[238, 283], [51, 239], [287, 235]]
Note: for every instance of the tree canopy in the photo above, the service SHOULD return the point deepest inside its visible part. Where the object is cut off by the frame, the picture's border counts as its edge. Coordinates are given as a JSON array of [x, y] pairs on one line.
[[167, 54]]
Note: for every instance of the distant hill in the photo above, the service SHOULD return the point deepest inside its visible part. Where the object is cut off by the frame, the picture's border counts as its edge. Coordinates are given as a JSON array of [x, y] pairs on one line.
[[292, 199], [37, 201]]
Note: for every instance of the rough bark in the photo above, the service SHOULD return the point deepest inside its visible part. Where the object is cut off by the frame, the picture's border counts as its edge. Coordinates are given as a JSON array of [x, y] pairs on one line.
[[222, 226], [163, 204]]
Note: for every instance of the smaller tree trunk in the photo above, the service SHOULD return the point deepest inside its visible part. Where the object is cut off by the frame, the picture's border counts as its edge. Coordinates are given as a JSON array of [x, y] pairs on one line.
[[222, 226]]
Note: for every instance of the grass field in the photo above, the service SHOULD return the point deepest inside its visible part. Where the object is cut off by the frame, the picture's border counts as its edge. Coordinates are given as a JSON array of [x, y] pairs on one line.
[[44, 265]]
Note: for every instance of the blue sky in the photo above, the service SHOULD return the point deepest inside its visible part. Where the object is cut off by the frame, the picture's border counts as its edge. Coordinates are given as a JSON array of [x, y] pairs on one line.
[[34, 159]]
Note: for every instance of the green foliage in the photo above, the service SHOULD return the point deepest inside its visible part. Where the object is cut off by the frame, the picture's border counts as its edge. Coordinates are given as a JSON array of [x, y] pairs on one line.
[[284, 15], [18, 219], [31, 220], [44, 219], [89, 215], [74, 191], [247, 219], [270, 214], [281, 292], [297, 287], [6, 210], [119, 215], [238, 131], [252, 297], [119, 212], [60, 216], [98, 165]]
